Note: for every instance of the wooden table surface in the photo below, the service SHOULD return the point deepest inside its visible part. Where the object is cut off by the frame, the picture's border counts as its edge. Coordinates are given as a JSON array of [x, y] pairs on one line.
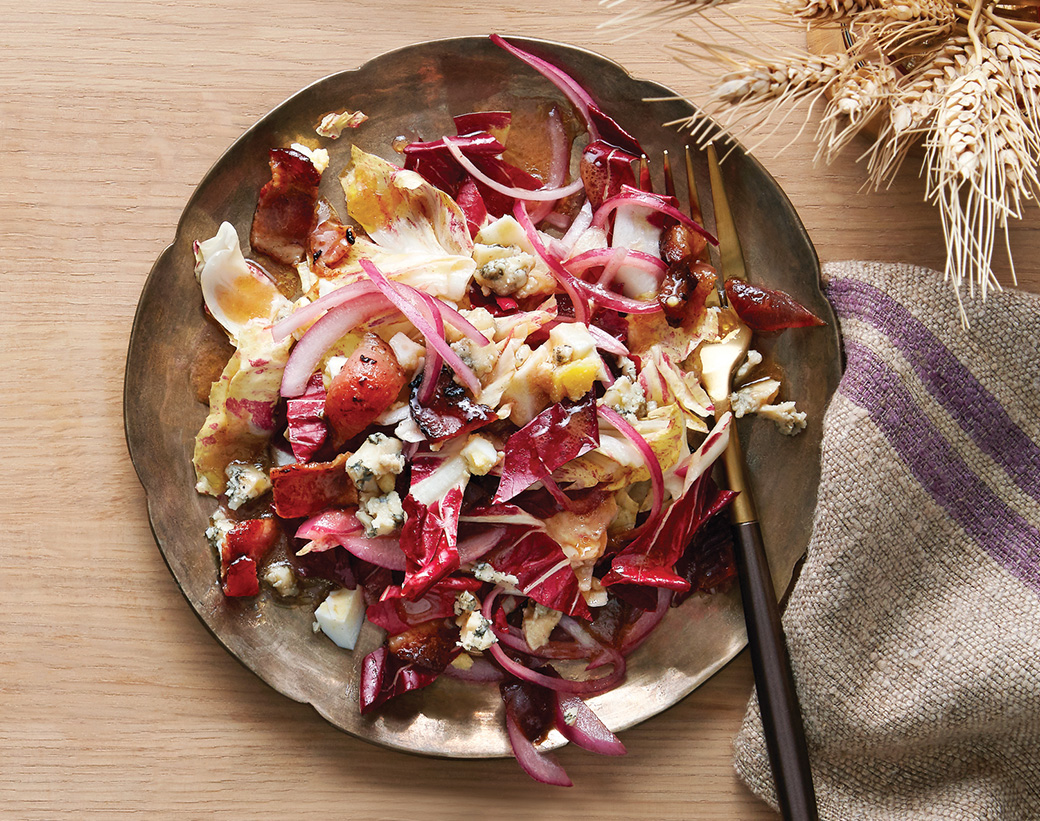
[[114, 700]]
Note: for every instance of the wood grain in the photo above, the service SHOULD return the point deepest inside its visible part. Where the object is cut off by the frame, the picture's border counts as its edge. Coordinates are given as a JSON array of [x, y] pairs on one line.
[[114, 700]]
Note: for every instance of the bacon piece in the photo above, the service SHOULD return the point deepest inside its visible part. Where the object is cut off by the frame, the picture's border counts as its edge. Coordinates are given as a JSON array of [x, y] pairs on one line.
[[243, 548], [286, 211], [430, 645], [306, 489]]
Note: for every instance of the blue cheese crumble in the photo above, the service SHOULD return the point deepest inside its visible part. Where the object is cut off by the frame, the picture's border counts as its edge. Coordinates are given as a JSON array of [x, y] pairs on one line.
[[374, 468], [476, 633], [245, 482]]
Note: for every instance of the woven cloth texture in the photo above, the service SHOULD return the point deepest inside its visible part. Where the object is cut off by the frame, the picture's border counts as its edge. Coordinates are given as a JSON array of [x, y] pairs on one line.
[[914, 625]]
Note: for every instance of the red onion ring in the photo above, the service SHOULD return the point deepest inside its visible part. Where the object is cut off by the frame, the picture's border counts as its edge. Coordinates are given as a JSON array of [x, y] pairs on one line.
[[642, 627], [541, 767], [301, 316], [414, 315], [633, 196], [536, 195], [322, 334], [649, 458], [604, 256], [567, 281], [564, 82], [585, 729]]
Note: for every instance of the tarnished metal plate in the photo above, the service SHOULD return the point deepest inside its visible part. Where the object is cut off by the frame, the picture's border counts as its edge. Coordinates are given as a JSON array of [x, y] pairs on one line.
[[414, 92]]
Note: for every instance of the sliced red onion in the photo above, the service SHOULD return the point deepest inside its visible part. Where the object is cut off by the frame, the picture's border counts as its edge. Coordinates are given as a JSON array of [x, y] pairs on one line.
[[578, 227], [559, 163], [307, 353], [382, 551], [414, 315], [642, 627], [649, 458], [611, 268], [473, 547], [587, 687], [567, 281], [559, 221], [564, 82], [541, 767], [605, 256], [434, 361], [605, 342], [578, 724], [482, 671], [301, 316], [616, 302], [344, 528], [633, 196], [549, 650], [536, 195], [454, 318]]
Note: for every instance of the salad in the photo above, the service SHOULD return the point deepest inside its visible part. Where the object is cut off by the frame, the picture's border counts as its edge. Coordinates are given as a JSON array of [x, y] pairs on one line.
[[468, 411]]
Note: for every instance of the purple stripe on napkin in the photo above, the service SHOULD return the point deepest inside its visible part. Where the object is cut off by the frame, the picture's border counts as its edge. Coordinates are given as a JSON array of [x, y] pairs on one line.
[[952, 385], [1007, 537]]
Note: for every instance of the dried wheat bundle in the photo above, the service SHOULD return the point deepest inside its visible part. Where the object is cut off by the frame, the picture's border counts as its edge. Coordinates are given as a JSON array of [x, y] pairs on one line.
[[960, 77]]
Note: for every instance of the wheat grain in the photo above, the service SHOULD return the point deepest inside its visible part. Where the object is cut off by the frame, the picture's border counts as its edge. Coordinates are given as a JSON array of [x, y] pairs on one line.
[[962, 74], [822, 10], [897, 27]]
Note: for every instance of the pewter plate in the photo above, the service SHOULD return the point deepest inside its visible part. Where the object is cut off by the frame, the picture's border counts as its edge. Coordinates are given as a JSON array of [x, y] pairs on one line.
[[414, 92]]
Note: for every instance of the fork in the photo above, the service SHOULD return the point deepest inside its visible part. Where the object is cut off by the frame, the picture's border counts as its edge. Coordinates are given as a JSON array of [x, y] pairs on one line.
[[777, 696]]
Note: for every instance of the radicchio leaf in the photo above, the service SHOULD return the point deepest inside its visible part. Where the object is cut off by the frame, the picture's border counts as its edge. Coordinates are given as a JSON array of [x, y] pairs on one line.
[[396, 614], [384, 676], [651, 561], [305, 417], [554, 437], [543, 573], [604, 170], [612, 133], [429, 537]]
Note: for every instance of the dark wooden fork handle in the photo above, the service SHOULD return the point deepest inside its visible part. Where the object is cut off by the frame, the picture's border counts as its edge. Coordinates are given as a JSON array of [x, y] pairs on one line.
[[777, 698]]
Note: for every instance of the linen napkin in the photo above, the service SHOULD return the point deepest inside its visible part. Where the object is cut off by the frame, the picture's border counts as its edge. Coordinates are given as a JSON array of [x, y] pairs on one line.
[[914, 626]]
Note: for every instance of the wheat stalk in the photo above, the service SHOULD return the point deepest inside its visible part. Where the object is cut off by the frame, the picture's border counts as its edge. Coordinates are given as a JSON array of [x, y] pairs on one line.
[[963, 76]]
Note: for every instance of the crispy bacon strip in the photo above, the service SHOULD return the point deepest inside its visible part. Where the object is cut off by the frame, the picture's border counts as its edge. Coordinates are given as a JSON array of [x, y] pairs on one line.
[[305, 489], [287, 209]]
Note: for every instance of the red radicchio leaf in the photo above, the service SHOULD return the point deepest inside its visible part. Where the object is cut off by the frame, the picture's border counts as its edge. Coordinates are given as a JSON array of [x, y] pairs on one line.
[[764, 310], [651, 559], [429, 539], [482, 121], [384, 676], [612, 133], [604, 169], [543, 573], [554, 437], [396, 614], [708, 563], [335, 565], [305, 418]]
